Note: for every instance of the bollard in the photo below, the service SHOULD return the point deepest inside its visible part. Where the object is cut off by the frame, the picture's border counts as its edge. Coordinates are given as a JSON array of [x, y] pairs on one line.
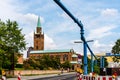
[[19, 76], [3, 78]]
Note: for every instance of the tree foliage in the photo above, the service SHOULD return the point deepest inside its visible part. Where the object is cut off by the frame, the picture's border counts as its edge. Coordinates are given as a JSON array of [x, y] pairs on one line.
[[12, 41], [116, 47], [45, 62], [66, 65], [116, 50], [97, 66]]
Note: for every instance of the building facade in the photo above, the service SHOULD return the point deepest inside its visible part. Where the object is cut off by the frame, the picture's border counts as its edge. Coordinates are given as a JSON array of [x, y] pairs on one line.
[[38, 49], [63, 55], [20, 59]]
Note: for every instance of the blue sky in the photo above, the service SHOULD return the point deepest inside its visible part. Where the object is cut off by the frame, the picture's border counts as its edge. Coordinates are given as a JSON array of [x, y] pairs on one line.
[[101, 20]]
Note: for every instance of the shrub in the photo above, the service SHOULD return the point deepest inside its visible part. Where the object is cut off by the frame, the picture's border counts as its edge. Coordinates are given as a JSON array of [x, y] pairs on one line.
[[19, 66]]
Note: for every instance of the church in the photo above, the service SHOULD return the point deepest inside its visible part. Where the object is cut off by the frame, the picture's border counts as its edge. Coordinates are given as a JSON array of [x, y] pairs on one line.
[[38, 49]]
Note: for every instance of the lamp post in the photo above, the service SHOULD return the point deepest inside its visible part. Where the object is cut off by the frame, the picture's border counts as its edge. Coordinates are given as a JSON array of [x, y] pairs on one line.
[[92, 62], [82, 41]]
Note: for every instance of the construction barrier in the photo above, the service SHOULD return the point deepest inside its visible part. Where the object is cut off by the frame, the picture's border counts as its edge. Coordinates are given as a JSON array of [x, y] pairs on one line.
[[105, 78], [88, 77]]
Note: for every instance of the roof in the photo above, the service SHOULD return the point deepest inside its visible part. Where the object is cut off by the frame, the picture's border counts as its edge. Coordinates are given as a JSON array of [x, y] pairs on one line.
[[49, 51], [74, 55], [38, 23], [73, 62]]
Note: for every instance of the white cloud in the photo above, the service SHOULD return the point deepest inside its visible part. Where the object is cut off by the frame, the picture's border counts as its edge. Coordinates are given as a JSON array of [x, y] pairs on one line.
[[100, 32], [30, 17], [6, 10], [29, 39], [28, 20], [100, 47], [49, 43], [10, 11], [109, 12], [61, 27], [97, 44]]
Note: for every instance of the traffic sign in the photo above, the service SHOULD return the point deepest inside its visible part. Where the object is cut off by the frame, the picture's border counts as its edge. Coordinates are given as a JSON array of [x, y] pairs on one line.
[[79, 56]]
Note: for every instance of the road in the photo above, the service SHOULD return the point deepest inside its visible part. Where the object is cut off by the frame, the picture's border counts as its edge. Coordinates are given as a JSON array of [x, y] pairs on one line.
[[58, 77], [64, 76]]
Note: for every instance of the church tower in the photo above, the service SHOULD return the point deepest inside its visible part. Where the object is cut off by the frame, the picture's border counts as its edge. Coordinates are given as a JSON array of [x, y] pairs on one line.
[[38, 37]]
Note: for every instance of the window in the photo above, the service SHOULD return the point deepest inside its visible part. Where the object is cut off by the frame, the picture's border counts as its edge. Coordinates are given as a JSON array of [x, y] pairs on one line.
[[65, 57], [58, 57], [38, 36], [36, 47], [74, 59]]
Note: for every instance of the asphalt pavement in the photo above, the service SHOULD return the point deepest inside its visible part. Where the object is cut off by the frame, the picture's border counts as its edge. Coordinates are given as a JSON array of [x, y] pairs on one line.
[[39, 76], [59, 77]]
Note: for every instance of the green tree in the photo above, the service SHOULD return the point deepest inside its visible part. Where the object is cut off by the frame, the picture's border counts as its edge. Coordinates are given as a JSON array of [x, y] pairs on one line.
[[56, 63], [66, 65], [116, 50], [43, 63], [30, 63], [97, 66], [46, 61], [12, 41], [97, 69]]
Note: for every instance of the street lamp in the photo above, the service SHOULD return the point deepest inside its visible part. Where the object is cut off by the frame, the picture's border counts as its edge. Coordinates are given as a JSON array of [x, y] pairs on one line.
[[91, 54], [82, 41]]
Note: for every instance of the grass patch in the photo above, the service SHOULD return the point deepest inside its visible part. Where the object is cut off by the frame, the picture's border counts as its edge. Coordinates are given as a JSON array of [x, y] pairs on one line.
[[19, 68], [39, 74]]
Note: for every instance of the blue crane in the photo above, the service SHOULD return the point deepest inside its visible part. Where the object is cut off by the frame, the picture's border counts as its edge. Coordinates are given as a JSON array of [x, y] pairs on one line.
[[85, 45]]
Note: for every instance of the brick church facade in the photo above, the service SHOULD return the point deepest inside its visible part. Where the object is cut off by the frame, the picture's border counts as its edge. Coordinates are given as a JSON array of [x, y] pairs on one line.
[[38, 49], [38, 37]]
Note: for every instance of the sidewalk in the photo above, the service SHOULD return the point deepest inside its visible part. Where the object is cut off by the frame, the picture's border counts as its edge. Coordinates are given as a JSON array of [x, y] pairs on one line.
[[39, 76]]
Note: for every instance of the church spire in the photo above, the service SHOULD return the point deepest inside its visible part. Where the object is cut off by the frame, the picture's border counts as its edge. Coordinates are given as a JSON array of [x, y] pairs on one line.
[[38, 23]]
